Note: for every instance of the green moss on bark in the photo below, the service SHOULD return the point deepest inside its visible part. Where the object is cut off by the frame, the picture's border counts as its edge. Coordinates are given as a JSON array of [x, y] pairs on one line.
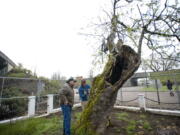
[[97, 88], [104, 89]]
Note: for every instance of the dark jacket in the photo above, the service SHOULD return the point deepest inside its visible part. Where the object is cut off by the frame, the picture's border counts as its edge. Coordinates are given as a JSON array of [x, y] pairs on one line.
[[84, 92], [169, 85], [66, 95]]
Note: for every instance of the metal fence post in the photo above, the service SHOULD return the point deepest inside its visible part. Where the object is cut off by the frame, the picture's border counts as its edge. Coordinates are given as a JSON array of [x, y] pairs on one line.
[[141, 100], [156, 83], [31, 106], [121, 96], [50, 103]]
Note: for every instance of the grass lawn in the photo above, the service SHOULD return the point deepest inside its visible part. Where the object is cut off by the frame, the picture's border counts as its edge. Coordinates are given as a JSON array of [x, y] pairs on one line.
[[122, 123], [34, 126], [136, 123], [150, 88]]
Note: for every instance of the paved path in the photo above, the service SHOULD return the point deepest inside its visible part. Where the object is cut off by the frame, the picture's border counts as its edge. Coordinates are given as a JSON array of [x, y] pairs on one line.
[[130, 93]]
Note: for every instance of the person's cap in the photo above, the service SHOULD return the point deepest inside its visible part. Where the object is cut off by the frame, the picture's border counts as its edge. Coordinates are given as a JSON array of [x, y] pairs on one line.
[[71, 79], [83, 81]]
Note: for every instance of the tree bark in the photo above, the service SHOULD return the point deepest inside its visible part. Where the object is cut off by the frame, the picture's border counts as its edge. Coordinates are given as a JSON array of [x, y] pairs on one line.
[[119, 68]]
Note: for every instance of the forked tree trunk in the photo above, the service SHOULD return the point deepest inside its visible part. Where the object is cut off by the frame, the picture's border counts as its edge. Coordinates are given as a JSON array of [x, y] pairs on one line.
[[118, 69]]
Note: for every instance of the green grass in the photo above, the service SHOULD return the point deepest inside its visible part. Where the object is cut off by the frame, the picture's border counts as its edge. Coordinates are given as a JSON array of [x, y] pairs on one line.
[[122, 116], [34, 126], [163, 88], [118, 130], [146, 125], [131, 127], [78, 115], [142, 116]]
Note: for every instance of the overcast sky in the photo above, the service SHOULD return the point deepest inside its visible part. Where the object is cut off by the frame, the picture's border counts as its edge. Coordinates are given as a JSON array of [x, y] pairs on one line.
[[43, 34]]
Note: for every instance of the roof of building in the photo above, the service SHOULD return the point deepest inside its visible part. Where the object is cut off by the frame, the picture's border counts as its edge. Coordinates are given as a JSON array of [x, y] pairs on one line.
[[7, 59]]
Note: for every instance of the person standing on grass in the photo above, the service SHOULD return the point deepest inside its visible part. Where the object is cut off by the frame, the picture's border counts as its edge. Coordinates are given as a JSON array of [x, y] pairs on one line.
[[66, 103], [169, 86], [84, 93]]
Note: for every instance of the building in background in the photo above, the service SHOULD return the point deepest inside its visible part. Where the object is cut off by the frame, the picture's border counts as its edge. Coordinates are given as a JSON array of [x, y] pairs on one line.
[[6, 64]]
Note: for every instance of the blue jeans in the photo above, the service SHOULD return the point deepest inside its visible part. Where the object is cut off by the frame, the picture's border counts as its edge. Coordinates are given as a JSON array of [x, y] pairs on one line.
[[66, 110]]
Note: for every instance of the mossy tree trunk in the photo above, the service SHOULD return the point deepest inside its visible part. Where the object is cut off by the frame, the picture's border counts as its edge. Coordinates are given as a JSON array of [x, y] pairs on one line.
[[118, 69]]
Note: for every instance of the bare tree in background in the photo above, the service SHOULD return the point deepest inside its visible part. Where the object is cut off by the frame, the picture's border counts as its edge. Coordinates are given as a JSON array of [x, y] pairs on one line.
[[91, 74], [129, 24], [158, 62], [56, 76]]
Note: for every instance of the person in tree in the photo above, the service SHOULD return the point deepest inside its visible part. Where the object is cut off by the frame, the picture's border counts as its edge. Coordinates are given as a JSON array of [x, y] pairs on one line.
[[66, 102], [169, 86], [84, 93]]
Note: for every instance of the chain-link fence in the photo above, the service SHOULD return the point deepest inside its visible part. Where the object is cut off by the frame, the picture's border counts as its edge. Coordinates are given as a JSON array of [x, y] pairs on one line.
[[14, 86], [13, 107], [27, 97], [41, 105], [56, 101], [30, 106], [14, 94]]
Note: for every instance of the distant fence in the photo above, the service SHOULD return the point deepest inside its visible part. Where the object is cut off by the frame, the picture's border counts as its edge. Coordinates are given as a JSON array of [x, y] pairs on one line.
[[165, 100], [26, 86], [154, 88]]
